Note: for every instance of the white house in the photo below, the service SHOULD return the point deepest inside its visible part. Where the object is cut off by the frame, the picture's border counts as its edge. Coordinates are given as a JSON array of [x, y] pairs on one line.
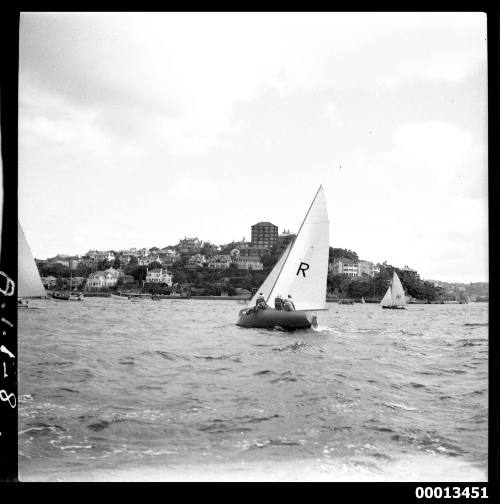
[[249, 263], [160, 276], [100, 280]]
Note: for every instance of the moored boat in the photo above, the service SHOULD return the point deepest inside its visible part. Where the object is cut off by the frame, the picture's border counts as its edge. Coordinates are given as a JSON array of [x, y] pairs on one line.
[[68, 296]]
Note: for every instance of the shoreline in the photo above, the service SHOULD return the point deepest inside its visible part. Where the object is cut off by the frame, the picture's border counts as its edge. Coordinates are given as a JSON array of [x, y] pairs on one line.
[[244, 298]]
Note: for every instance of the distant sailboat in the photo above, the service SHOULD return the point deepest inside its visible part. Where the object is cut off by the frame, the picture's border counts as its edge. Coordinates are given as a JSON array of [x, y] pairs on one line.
[[362, 300], [395, 296], [300, 272], [29, 283]]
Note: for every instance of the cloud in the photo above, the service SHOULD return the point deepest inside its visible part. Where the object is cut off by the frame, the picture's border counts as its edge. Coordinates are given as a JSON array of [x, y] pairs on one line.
[[178, 75], [188, 189]]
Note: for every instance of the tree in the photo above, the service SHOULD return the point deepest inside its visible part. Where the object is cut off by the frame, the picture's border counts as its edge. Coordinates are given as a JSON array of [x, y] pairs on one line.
[[179, 277], [103, 265], [154, 264], [337, 253], [117, 263]]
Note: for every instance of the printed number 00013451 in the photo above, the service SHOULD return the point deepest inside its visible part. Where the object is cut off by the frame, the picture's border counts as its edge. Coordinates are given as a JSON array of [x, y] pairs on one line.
[[438, 492]]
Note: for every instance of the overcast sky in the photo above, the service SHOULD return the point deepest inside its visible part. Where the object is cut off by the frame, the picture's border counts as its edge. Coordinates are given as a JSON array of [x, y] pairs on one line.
[[136, 130]]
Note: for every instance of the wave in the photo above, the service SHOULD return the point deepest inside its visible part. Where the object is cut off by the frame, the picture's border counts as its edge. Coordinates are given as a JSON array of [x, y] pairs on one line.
[[399, 406], [234, 357], [55, 363], [286, 376], [298, 345], [40, 429]]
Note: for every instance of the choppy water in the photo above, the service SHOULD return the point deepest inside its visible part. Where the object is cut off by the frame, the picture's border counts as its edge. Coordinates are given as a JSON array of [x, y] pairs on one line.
[[114, 384]]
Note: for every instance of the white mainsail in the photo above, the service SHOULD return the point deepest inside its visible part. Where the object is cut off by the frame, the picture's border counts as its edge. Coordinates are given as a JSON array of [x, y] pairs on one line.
[[29, 283], [387, 299], [268, 283], [305, 267], [398, 293], [395, 295]]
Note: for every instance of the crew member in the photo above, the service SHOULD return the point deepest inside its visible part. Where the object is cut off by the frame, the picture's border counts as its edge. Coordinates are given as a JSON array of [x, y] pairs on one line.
[[288, 304], [261, 302], [278, 302]]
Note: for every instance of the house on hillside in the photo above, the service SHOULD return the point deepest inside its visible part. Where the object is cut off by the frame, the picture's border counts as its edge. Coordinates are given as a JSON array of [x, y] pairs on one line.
[[249, 263], [219, 261], [189, 245], [101, 280], [196, 261], [159, 276]]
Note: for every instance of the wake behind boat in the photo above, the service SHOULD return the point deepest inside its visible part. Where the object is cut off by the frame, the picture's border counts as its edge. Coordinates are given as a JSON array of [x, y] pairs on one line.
[[300, 272]]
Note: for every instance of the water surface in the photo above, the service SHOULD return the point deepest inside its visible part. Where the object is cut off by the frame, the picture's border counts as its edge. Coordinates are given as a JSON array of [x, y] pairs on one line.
[[109, 384]]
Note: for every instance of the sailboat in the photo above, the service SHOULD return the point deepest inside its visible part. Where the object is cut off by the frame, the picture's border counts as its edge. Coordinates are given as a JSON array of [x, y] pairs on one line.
[[363, 300], [69, 296], [300, 272], [395, 296], [29, 283]]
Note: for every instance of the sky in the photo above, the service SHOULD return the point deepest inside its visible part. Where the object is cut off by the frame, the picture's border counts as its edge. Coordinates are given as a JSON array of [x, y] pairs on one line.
[[138, 129]]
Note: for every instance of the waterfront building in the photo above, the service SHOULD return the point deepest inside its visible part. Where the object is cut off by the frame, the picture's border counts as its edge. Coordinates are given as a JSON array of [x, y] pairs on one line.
[[264, 234], [101, 280], [159, 276]]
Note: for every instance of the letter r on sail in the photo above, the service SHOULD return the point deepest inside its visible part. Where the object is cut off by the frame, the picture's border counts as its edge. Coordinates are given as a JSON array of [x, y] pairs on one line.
[[303, 267]]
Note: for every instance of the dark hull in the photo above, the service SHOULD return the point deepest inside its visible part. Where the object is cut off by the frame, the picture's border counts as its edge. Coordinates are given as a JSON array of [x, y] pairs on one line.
[[394, 307], [270, 318], [71, 297]]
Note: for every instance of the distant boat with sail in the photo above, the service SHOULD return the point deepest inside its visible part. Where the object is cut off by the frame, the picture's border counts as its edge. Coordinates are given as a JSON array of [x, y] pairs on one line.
[[29, 283], [395, 296], [300, 272], [363, 300]]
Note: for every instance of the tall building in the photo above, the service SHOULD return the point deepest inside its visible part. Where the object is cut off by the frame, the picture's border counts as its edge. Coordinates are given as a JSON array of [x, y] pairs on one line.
[[264, 234]]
